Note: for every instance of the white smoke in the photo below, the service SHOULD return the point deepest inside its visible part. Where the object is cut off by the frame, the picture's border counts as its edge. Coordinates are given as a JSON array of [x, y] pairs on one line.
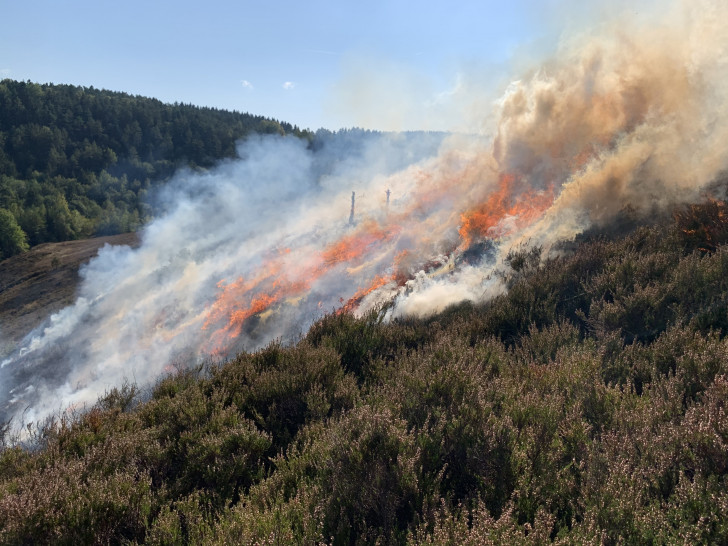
[[140, 310]]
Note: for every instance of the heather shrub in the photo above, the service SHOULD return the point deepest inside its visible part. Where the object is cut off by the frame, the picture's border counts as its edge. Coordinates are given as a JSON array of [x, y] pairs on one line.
[[560, 413], [477, 527], [360, 341], [706, 427], [208, 446], [221, 459], [368, 474], [355, 340], [703, 226], [121, 398], [546, 292], [14, 462], [447, 394], [357, 476], [530, 301], [64, 504], [297, 519], [639, 295], [90, 429], [627, 296], [700, 289], [649, 478], [174, 383], [185, 520], [523, 261], [694, 358], [281, 388], [543, 345]]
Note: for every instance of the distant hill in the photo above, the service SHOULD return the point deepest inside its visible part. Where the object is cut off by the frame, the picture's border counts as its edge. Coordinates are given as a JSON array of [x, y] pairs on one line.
[[77, 161]]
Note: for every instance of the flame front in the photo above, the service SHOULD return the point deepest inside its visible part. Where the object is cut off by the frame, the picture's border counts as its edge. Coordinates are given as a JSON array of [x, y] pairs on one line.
[[487, 219], [383, 249], [288, 278]]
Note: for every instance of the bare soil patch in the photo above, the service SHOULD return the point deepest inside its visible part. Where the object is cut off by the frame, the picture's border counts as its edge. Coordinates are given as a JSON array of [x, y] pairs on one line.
[[42, 281]]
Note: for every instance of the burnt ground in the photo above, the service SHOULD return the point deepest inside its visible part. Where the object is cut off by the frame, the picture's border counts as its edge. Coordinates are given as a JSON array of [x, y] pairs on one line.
[[42, 281]]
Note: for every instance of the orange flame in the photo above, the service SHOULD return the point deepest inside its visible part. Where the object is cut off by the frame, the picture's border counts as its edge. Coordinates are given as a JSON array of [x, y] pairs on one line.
[[353, 246], [355, 300], [705, 226], [487, 219], [240, 300]]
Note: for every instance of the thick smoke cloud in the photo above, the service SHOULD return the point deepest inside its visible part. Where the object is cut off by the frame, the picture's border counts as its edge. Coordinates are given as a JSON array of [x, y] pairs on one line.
[[633, 115]]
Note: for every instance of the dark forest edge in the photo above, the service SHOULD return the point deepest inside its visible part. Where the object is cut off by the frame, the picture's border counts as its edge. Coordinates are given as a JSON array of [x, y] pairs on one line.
[[77, 162], [586, 405]]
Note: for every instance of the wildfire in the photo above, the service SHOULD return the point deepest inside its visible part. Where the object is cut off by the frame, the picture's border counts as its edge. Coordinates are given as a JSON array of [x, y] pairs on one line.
[[355, 300], [488, 218], [705, 225], [352, 247], [280, 280], [374, 253]]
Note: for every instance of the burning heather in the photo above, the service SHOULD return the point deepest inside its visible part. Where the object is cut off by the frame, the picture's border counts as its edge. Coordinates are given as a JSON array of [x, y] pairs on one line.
[[259, 248]]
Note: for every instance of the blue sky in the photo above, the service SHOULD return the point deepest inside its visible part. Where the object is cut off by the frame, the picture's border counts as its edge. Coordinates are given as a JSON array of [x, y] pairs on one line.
[[384, 65]]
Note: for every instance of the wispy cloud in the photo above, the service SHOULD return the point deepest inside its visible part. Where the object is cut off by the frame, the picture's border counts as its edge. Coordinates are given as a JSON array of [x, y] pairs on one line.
[[456, 89], [246, 84], [288, 85], [5, 72]]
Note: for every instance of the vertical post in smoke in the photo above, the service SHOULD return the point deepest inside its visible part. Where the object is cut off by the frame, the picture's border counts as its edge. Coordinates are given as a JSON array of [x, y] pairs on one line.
[[388, 192], [351, 214]]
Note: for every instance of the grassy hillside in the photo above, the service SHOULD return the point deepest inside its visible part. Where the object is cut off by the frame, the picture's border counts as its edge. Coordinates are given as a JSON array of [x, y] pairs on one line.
[[587, 405]]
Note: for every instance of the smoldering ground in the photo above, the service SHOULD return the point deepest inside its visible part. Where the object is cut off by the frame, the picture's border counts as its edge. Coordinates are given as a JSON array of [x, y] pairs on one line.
[[629, 114]]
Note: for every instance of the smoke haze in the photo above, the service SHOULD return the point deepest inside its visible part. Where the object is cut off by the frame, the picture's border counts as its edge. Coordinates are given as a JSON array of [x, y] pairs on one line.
[[631, 114]]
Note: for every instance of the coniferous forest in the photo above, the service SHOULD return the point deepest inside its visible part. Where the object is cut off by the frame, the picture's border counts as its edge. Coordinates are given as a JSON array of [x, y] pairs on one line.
[[77, 162]]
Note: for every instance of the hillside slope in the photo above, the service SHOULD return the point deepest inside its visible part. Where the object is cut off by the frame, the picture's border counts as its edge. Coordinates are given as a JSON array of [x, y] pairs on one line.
[[586, 405]]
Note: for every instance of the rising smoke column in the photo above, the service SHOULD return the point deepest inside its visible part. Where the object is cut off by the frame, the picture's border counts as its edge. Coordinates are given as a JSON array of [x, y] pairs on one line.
[[632, 115]]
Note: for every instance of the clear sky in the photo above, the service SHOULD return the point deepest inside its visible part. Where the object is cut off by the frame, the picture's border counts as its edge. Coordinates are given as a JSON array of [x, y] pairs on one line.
[[378, 64]]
